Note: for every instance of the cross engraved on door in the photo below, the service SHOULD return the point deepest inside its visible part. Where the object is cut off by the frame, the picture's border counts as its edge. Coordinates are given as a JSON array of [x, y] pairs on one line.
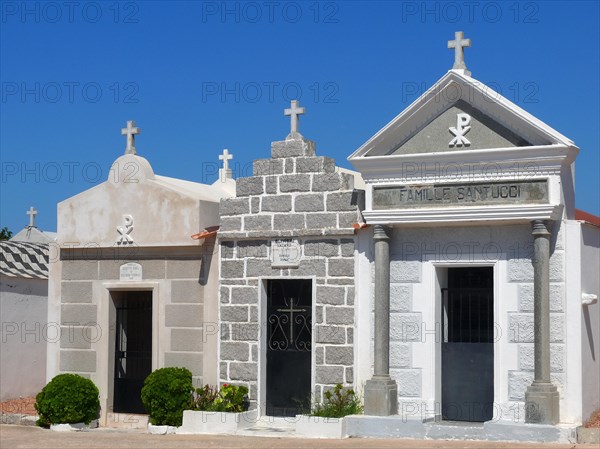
[[290, 327], [290, 303]]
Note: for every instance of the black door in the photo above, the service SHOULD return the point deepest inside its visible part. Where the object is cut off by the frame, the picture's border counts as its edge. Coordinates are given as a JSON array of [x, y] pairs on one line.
[[133, 350], [289, 333], [468, 348]]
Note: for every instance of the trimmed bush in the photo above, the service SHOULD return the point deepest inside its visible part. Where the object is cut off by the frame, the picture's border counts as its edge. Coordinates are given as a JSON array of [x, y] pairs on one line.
[[167, 392], [67, 399]]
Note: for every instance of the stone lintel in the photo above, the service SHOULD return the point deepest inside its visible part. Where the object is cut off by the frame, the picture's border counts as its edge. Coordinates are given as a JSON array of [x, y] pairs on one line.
[[344, 232]]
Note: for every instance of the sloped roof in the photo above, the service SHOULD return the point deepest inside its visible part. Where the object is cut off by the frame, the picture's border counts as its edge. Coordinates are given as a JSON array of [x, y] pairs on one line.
[[24, 259], [587, 218], [205, 192], [34, 235]]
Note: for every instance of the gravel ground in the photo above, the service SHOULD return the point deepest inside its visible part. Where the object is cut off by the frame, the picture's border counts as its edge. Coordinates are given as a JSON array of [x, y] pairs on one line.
[[20, 437]]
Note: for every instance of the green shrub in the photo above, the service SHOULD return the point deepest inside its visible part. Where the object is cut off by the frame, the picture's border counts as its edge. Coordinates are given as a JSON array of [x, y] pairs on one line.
[[167, 392], [230, 398], [67, 399], [339, 403]]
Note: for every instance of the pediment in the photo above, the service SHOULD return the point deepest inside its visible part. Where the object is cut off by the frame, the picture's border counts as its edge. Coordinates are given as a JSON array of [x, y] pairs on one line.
[[446, 132], [455, 102]]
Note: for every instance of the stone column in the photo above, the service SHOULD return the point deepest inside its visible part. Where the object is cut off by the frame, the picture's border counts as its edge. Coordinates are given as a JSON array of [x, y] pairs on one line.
[[541, 398], [381, 392]]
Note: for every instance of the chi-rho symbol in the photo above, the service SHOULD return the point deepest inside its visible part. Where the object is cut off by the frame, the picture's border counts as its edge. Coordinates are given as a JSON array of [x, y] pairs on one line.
[[462, 127]]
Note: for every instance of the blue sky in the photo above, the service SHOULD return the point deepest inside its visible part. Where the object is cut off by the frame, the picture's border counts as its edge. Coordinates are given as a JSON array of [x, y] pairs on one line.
[[198, 77]]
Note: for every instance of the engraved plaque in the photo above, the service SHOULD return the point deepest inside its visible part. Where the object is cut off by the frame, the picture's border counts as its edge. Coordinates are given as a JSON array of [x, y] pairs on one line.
[[285, 254], [130, 272], [452, 195]]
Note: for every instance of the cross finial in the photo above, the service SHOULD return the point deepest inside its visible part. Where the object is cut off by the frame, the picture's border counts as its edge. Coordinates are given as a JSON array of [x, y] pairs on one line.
[[130, 132], [225, 157], [459, 44], [294, 111], [225, 172], [32, 213]]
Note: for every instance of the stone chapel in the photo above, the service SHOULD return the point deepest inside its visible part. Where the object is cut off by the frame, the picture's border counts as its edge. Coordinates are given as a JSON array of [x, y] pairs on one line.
[[449, 278]]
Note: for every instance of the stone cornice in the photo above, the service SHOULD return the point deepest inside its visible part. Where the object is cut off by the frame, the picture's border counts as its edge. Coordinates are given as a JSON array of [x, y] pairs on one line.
[[510, 213], [507, 163]]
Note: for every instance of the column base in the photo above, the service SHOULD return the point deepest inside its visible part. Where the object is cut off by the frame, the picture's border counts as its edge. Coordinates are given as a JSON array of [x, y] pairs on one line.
[[542, 404], [381, 396]]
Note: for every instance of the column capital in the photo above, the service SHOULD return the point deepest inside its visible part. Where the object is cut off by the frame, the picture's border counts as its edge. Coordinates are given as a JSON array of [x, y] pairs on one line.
[[380, 232], [541, 228]]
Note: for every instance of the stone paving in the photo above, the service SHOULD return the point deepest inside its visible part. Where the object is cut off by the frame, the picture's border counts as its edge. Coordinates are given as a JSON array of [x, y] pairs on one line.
[[17, 437]]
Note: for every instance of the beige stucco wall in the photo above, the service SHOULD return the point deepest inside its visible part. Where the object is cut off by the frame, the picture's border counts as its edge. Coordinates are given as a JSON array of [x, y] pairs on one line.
[[23, 308], [184, 299], [180, 272], [164, 213]]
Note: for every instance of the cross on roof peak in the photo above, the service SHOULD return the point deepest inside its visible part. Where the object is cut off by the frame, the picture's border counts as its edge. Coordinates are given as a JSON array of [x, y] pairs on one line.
[[294, 111], [459, 44], [225, 172], [130, 132], [226, 157], [32, 213]]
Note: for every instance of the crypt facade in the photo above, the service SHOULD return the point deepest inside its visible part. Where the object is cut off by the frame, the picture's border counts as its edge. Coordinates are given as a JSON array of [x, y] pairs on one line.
[[483, 271], [287, 283], [136, 280], [449, 278]]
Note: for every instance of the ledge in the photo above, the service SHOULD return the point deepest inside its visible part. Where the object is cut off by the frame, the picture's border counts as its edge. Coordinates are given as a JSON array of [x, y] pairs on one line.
[[247, 235], [452, 215]]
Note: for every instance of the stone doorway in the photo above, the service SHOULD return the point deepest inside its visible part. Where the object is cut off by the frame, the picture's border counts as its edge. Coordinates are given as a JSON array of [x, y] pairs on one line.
[[288, 346], [133, 349], [467, 346]]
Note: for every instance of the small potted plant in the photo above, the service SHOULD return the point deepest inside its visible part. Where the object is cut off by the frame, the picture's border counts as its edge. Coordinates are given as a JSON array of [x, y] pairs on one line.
[[68, 403], [223, 411], [326, 419]]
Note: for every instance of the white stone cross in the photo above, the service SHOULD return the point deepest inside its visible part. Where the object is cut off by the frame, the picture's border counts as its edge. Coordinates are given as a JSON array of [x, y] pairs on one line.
[[459, 43], [294, 111], [130, 132], [225, 157], [32, 213]]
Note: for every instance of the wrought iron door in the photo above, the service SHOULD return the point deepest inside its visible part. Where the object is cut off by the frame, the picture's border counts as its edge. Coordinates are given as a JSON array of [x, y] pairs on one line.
[[289, 336], [467, 347], [133, 350]]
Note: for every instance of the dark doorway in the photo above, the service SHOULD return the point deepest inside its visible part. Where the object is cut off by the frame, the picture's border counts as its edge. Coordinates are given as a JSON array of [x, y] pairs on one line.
[[133, 349], [289, 335], [467, 347]]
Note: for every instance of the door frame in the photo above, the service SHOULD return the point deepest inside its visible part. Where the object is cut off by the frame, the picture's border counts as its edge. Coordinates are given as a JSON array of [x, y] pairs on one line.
[[105, 348], [262, 337], [435, 346]]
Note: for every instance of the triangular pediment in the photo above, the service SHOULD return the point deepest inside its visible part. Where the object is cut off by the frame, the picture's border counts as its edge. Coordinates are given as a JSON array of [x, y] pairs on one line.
[[436, 122], [445, 133]]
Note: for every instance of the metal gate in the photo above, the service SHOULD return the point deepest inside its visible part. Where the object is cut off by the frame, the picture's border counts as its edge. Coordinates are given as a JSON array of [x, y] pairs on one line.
[[133, 350], [289, 336], [467, 347]]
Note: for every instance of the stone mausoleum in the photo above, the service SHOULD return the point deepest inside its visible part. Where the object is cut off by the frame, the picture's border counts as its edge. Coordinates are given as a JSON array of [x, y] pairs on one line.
[[449, 278]]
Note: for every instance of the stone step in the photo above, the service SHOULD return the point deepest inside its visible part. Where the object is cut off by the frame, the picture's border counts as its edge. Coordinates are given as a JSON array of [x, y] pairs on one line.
[[125, 421]]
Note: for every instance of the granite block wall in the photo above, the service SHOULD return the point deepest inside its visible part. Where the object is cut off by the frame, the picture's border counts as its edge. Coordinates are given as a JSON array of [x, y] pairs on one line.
[[293, 195]]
